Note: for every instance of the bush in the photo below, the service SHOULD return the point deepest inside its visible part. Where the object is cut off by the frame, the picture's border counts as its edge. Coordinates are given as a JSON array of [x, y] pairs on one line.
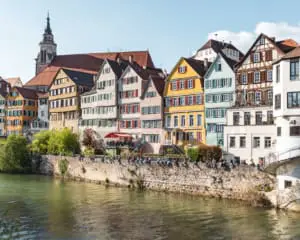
[[89, 140], [40, 142], [63, 166], [193, 153], [15, 157], [89, 152], [63, 142]]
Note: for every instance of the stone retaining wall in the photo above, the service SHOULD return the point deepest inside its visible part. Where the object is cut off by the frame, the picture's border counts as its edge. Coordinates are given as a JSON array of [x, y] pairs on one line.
[[242, 183]]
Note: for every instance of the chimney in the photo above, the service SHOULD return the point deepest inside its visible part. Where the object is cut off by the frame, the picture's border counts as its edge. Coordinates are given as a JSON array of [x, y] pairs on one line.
[[144, 67], [130, 58], [205, 63]]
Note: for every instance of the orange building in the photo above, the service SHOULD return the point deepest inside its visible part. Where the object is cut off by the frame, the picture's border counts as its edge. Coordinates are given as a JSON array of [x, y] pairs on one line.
[[22, 108]]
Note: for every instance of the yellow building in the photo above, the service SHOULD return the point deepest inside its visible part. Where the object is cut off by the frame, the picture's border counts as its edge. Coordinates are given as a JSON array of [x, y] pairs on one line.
[[184, 103], [64, 98]]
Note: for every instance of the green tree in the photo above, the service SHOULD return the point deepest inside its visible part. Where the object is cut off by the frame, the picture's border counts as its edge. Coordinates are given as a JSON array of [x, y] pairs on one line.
[[40, 142], [63, 142], [193, 153], [15, 157]]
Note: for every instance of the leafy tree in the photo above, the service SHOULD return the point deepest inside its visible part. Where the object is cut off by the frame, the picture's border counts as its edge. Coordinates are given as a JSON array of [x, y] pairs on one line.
[[63, 142], [40, 142], [90, 142], [15, 157], [193, 153]]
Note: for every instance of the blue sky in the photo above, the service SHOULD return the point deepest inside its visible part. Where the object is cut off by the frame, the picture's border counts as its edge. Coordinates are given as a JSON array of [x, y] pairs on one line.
[[169, 29]]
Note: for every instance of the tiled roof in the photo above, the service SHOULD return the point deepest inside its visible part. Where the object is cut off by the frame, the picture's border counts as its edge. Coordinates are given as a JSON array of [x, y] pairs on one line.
[[80, 78], [287, 45], [217, 46], [198, 65], [292, 54], [27, 93], [229, 61], [89, 63], [159, 84], [43, 94], [14, 81]]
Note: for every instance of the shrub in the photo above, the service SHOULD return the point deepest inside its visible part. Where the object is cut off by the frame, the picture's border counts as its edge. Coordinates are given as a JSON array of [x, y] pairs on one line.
[[89, 140], [15, 157], [40, 142], [63, 166], [89, 152], [193, 153]]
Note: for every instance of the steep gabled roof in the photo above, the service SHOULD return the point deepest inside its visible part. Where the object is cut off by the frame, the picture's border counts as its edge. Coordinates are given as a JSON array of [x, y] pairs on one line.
[[118, 67], [27, 93], [283, 46], [159, 84], [217, 46], [14, 81], [89, 63], [198, 65], [290, 55], [80, 78]]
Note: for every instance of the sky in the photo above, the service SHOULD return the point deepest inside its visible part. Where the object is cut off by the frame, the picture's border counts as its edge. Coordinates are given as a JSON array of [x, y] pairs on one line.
[[169, 29]]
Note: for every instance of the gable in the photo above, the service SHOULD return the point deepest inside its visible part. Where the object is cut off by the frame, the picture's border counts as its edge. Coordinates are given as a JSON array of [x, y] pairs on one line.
[[213, 71], [60, 76], [177, 72], [106, 72]]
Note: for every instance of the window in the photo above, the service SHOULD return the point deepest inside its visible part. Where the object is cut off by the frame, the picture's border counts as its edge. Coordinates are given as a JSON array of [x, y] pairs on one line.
[[42, 113], [277, 101], [236, 118], [181, 100], [218, 67], [258, 118], [295, 131], [198, 99], [199, 120], [181, 85], [278, 131], [190, 83], [244, 78], [168, 121], [270, 117], [293, 100], [262, 41], [232, 142], [287, 184], [269, 75], [175, 121], [191, 120], [242, 142], [256, 57], [182, 121], [270, 97], [278, 73], [267, 142], [208, 98], [256, 142], [190, 100], [174, 85], [256, 77], [175, 101], [207, 83], [294, 69], [247, 118], [257, 97], [182, 69]]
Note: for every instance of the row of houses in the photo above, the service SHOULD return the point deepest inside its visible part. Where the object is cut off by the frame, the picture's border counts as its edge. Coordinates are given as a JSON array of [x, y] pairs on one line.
[[246, 103]]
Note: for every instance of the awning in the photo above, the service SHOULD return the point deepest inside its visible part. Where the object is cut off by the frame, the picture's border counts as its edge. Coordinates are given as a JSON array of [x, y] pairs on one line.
[[118, 135]]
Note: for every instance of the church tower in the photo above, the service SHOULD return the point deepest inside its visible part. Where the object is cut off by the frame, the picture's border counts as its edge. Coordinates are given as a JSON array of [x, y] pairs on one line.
[[47, 49]]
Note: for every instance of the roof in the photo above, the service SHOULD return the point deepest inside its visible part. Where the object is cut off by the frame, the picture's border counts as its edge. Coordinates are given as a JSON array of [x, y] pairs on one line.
[[283, 46], [118, 67], [27, 93], [13, 81], [217, 46], [292, 54], [43, 94], [159, 84], [89, 62], [198, 65], [80, 78]]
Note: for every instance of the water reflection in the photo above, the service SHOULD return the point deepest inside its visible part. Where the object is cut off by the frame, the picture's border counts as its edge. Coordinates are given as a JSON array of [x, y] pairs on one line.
[[53, 209]]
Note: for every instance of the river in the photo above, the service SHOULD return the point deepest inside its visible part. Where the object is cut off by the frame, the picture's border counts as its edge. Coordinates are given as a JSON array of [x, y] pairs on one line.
[[46, 208]]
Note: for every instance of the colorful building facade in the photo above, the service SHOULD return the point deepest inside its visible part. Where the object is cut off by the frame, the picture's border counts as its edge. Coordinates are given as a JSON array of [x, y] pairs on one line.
[[219, 88], [184, 103], [64, 98], [22, 108]]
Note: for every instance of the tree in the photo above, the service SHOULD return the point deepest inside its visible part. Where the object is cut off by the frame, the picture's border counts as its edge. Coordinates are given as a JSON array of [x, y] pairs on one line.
[[193, 153], [63, 142], [40, 142], [91, 143], [15, 157]]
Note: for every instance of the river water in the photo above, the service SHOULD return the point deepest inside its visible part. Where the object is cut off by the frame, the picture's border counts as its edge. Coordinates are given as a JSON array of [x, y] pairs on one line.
[[43, 208]]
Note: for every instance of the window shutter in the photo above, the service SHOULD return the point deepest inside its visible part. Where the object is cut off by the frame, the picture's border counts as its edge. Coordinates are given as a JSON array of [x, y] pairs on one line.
[[260, 57], [139, 123], [194, 100], [185, 83], [171, 101], [171, 85], [263, 76], [177, 84], [251, 57], [136, 92], [138, 108], [250, 77], [193, 83], [186, 100]]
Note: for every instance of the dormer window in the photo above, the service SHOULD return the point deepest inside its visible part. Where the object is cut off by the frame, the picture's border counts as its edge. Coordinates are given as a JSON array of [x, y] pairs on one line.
[[182, 69]]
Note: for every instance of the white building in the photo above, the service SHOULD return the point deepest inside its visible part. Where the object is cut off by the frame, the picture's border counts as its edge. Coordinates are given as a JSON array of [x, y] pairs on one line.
[[42, 120], [212, 47], [250, 133], [131, 85], [287, 104], [99, 106]]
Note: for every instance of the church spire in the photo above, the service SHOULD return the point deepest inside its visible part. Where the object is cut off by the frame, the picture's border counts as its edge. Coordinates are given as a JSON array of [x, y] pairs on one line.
[[48, 28]]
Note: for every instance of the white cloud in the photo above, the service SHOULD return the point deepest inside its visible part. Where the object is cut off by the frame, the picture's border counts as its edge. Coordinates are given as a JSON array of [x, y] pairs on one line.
[[243, 40]]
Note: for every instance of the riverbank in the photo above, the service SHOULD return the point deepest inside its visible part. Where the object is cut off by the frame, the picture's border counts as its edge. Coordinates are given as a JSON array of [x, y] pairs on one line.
[[242, 183]]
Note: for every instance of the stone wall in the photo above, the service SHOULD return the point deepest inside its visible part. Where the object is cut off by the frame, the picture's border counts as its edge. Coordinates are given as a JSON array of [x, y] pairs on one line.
[[242, 183]]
